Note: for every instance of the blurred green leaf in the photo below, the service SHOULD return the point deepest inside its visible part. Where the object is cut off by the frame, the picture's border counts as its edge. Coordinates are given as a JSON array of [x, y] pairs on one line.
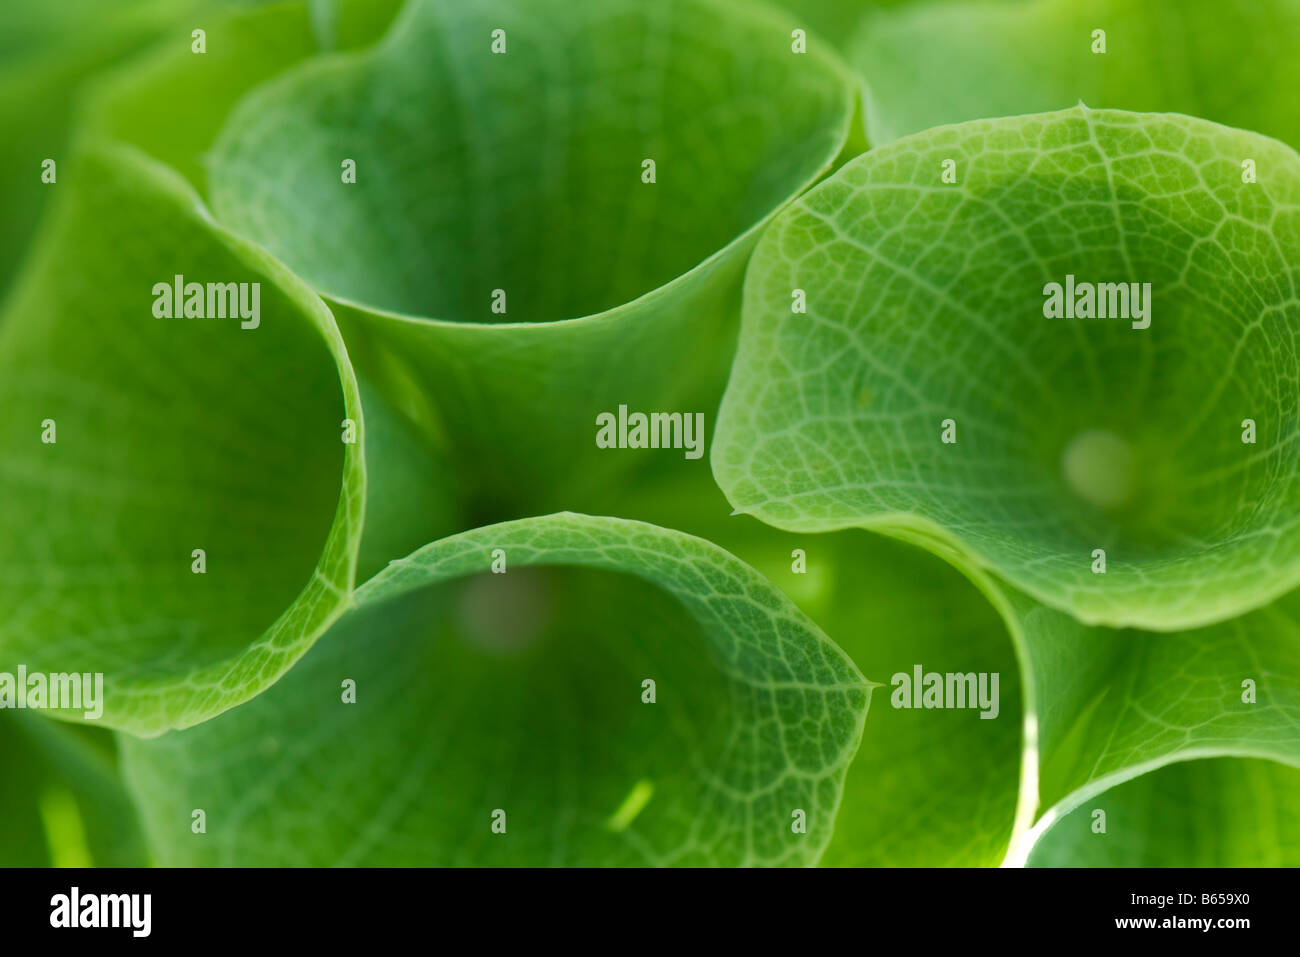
[[61, 803], [150, 102], [1231, 61], [1224, 812], [47, 52]]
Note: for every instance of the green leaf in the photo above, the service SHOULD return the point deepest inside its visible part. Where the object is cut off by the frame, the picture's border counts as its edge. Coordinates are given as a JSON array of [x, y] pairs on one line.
[[523, 692], [1226, 812], [1081, 710], [1231, 61], [925, 303], [934, 788], [169, 436], [1107, 705], [524, 171], [150, 101], [927, 788], [30, 30], [835, 20], [61, 802], [926, 306], [47, 52], [944, 787]]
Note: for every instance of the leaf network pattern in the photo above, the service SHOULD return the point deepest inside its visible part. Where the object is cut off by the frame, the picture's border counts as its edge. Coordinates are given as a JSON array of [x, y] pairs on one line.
[[671, 686]]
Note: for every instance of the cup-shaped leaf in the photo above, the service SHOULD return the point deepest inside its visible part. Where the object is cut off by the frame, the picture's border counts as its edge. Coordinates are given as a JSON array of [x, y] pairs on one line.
[[537, 211], [1060, 346], [1224, 812], [1108, 704], [180, 495], [558, 690]]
